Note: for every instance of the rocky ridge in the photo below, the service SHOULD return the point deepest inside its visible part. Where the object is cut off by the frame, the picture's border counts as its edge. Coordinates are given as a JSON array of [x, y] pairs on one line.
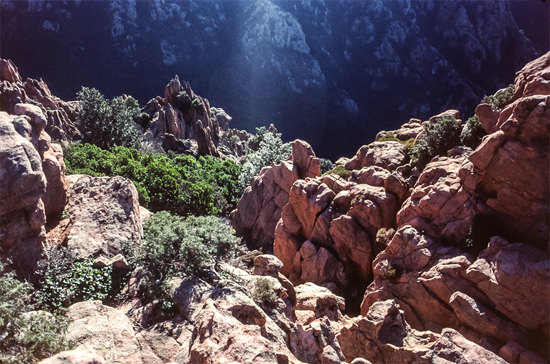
[[438, 283]]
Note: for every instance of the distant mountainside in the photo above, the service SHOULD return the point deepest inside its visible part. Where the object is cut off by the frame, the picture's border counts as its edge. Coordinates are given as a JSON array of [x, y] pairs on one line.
[[331, 72]]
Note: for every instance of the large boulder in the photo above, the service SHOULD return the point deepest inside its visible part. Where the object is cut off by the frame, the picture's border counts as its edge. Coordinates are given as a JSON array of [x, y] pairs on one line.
[[512, 163], [260, 207], [33, 187], [81, 355], [228, 325], [104, 214], [440, 203], [384, 336], [111, 334]]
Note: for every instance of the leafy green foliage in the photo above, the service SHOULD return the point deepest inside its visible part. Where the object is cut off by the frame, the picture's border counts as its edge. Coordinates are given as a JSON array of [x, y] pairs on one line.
[[340, 171], [264, 149], [500, 99], [473, 133], [26, 337], [390, 137], [67, 282], [263, 291], [108, 123], [326, 165], [177, 246], [441, 134], [182, 184]]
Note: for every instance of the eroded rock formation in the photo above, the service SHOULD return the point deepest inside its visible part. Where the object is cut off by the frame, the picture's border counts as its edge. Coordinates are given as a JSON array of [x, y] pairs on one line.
[[60, 115], [260, 207]]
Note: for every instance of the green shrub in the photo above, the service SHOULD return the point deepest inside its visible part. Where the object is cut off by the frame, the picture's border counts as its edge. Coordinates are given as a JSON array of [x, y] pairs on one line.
[[263, 291], [441, 134], [393, 272], [182, 184], [264, 149], [500, 99], [390, 137], [178, 246], [473, 133], [26, 338], [67, 282], [105, 123], [326, 165], [340, 171]]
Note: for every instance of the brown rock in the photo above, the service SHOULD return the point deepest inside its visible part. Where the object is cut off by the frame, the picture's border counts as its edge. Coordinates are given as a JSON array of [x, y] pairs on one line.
[[267, 265], [9, 71], [508, 273], [388, 155], [261, 205], [516, 155], [384, 336], [108, 331], [319, 300], [104, 213], [81, 355], [439, 203]]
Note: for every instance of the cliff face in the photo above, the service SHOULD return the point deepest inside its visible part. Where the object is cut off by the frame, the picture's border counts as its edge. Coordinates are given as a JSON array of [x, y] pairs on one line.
[[338, 66]]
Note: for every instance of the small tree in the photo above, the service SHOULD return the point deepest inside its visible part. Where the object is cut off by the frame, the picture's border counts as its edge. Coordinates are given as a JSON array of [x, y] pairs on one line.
[[108, 124], [264, 149], [441, 134]]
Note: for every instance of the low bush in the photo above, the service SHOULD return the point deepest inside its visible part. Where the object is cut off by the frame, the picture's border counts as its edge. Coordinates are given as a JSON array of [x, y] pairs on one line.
[[181, 184], [264, 149], [67, 281], [340, 171], [178, 246], [326, 165], [473, 133], [500, 99], [263, 291], [26, 337], [441, 134]]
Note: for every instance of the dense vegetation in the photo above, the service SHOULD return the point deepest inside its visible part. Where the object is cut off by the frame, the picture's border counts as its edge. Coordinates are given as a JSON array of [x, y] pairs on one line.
[[26, 336], [180, 246], [105, 123], [440, 135], [264, 149], [181, 184]]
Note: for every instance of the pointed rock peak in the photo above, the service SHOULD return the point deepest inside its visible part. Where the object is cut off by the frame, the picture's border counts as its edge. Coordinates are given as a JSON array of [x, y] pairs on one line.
[[172, 89], [9, 71], [305, 160]]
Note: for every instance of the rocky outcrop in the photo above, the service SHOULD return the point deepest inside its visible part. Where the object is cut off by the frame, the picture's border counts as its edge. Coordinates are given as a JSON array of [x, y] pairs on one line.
[[327, 231], [33, 187], [384, 336], [104, 214], [260, 206], [111, 334], [184, 122], [440, 204], [81, 355], [512, 162], [60, 115]]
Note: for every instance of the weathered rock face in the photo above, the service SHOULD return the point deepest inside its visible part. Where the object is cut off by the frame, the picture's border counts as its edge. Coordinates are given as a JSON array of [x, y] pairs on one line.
[[184, 122], [60, 115], [33, 185], [512, 162], [440, 204], [110, 333], [384, 336], [184, 115], [439, 286], [81, 355], [104, 213], [327, 230], [260, 207]]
